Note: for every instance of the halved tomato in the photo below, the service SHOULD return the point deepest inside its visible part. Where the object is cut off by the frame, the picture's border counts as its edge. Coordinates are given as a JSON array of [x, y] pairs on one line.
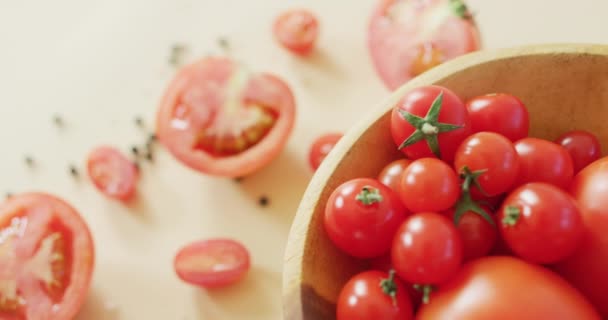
[[112, 173], [212, 263], [46, 258], [407, 37], [220, 119]]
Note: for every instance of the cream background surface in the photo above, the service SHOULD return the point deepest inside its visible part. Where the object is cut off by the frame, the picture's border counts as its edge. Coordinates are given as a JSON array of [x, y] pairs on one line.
[[101, 63]]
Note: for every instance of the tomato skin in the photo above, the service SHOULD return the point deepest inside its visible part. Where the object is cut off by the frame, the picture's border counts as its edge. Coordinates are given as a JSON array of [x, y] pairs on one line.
[[478, 236], [391, 175], [321, 147], [207, 80], [506, 288], [583, 147], [212, 263], [113, 173], [427, 249], [429, 184], [64, 218], [549, 227], [491, 152], [359, 229], [502, 113], [297, 31], [418, 102], [362, 298], [543, 161], [586, 268]]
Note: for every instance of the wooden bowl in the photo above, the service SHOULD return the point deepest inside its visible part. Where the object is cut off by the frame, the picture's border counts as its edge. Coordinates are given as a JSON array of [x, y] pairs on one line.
[[564, 87]]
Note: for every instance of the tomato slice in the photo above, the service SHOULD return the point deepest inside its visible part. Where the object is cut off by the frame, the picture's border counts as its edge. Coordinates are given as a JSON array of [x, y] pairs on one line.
[[219, 119], [112, 173], [212, 263], [297, 30], [321, 147], [407, 37], [46, 258]]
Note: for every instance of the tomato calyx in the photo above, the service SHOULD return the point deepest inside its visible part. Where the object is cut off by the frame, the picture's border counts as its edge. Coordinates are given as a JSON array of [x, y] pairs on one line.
[[466, 202], [369, 196], [427, 128], [426, 290], [512, 215], [389, 286], [460, 9]]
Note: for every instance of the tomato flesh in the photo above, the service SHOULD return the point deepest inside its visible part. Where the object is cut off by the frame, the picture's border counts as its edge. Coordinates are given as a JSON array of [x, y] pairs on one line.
[[46, 258], [218, 118], [212, 263]]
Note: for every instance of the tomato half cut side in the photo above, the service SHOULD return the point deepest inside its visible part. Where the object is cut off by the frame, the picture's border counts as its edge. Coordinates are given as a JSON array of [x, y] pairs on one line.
[[407, 37], [212, 263], [46, 258], [297, 30], [218, 118], [112, 173]]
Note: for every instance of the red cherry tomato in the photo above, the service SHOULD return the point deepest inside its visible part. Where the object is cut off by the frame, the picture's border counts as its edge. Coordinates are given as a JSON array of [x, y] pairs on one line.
[[46, 258], [391, 175], [409, 37], [424, 129], [478, 235], [212, 263], [543, 161], [583, 147], [297, 31], [541, 223], [429, 184], [505, 288], [362, 216], [219, 119], [385, 264], [374, 295], [321, 147], [586, 269], [494, 156], [427, 249], [501, 113], [113, 173]]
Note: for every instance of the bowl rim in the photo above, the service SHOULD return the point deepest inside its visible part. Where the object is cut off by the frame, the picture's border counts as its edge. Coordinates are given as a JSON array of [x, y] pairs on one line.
[[298, 234]]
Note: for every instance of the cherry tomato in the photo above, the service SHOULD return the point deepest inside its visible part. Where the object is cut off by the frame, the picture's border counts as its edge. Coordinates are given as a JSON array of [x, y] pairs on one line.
[[501, 113], [430, 121], [478, 235], [374, 295], [219, 119], [409, 37], [494, 157], [543, 161], [506, 288], [212, 263], [46, 258], [541, 223], [297, 30], [391, 175], [362, 216], [586, 269], [385, 264], [113, 173], [429, 184], [427, 249], [321, 147], [583, 147]]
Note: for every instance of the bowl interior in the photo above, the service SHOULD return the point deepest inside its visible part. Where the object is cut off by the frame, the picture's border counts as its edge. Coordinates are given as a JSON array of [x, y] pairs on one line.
[[565, 87]]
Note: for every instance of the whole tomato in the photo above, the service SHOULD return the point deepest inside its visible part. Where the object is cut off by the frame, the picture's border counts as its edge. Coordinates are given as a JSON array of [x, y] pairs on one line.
[[543, 161], [430, 121], [374, 295], [583, 147], [587, 268], [505, 288], [429, 184]]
